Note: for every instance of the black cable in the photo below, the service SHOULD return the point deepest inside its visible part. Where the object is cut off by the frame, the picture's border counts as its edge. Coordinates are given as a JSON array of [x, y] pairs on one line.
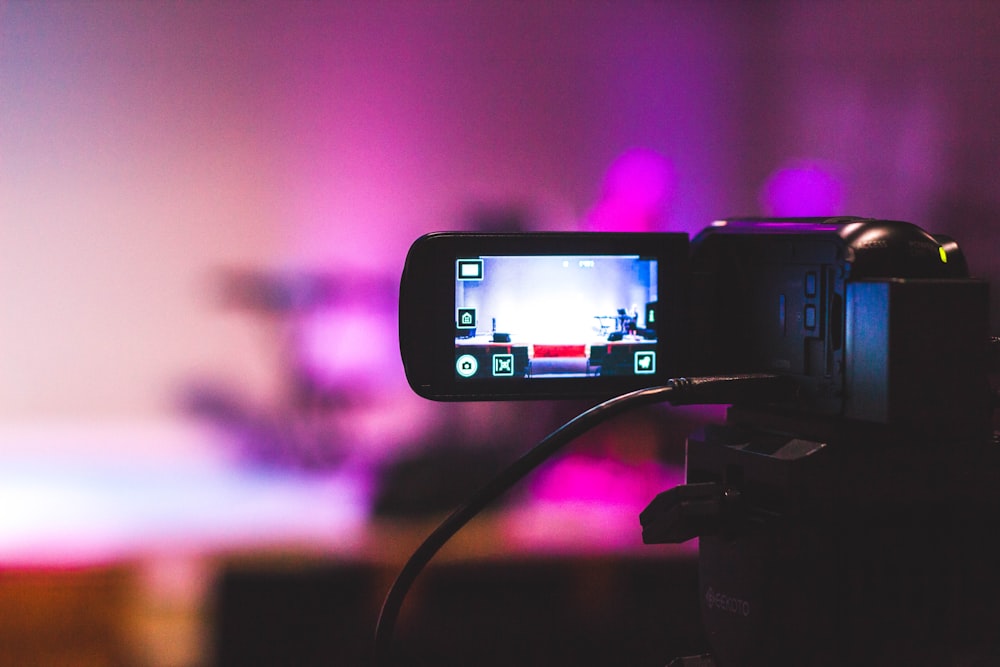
[[683, 391]]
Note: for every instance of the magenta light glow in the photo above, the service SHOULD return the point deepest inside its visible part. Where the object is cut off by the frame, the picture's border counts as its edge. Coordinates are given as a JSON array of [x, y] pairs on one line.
[[350, 345], [590, 503], [777, 226], [803, 188], [638, 188]]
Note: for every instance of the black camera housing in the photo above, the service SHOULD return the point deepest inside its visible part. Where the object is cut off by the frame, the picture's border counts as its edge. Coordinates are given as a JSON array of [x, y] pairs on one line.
[[850, 525], [862, 313], [855, 309]]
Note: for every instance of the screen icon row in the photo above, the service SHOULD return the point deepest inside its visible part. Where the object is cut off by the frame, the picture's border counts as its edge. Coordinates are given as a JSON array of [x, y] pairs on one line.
[[503, 364]]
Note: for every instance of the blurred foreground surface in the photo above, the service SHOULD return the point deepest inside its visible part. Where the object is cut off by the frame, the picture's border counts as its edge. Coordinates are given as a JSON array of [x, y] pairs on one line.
[[148, 545]]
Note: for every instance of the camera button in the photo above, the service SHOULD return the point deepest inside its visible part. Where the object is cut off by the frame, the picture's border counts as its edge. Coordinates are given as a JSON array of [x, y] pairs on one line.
[[810, 317], [810, 284], [466, 365]]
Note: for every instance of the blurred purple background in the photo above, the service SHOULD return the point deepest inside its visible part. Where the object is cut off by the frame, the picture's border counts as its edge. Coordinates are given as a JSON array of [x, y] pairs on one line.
[[147, 147]]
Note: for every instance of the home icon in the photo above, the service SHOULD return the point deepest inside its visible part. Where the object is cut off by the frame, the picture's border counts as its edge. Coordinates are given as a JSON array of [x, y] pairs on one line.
[[466, 318]]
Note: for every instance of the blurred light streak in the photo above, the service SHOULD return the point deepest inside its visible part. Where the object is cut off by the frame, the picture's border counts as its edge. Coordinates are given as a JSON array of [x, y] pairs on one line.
[[73, 501]]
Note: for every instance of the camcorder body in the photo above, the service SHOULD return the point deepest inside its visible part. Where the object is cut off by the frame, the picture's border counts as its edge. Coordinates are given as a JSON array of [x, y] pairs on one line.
[[848, 525]]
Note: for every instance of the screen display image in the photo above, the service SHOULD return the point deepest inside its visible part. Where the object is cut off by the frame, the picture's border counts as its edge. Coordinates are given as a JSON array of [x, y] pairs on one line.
[[555, 316]]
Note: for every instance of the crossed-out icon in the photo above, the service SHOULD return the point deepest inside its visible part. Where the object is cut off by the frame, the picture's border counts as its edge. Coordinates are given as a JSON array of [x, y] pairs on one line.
[[503, 365]]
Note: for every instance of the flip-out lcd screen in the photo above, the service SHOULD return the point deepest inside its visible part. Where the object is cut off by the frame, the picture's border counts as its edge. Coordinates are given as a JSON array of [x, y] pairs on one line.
[[542, 315], [555, 316]]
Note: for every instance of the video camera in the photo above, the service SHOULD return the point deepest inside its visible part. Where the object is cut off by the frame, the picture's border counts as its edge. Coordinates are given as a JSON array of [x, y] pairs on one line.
[[848, 524]]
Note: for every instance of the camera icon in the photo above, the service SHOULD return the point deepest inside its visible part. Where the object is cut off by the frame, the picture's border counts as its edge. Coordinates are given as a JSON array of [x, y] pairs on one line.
[[466, 365]]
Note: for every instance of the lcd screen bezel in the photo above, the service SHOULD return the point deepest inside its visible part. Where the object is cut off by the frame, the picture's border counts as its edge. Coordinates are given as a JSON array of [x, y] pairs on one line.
[[428, 310]]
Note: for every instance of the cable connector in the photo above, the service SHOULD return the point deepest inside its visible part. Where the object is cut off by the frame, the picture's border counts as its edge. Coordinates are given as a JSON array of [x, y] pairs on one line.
[[757, 388], [683, 513]]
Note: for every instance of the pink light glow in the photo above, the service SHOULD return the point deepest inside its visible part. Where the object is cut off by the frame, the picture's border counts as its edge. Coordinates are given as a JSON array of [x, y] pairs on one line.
[[588, 502], [803, 188], [638, 188], [350, 345]]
